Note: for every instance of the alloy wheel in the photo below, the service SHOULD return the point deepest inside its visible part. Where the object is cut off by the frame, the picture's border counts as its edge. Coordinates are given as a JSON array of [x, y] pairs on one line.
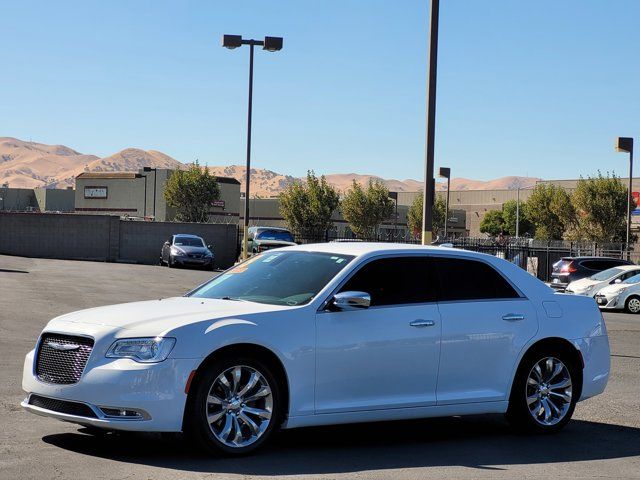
[[239, 406], [549, 391]]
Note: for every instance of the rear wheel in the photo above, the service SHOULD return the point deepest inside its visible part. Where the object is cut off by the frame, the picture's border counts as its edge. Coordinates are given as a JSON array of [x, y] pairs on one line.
[[545, 391], [632, 305], [235, 407]]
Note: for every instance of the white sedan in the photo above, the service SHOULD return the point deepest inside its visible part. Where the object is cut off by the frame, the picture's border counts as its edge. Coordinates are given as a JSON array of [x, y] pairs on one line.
[[326, 334], [592, 285], [621, 296]]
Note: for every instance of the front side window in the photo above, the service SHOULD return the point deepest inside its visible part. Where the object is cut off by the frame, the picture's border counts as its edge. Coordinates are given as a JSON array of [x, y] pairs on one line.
[[632, 280], [277, 278], [394, 281], [463, 279]]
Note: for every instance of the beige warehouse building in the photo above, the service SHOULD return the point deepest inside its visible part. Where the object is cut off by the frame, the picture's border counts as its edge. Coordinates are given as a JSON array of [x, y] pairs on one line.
[[141, 195]]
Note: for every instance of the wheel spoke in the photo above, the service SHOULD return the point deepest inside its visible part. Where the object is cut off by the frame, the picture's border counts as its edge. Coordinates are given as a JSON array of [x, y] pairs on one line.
[[249, 423], [561, 384], [237, 439], [547, 410], [565, 397], [253, 380], [538, 371], [235, 375], [226, 430], [556, 371], [214, 400], [263, 392], [257, 411], [548, 369], [532, 399], [214, 417], [223, 381]]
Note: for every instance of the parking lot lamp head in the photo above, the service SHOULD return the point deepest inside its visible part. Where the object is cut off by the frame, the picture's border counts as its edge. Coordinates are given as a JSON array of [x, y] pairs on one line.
[[625, 144]]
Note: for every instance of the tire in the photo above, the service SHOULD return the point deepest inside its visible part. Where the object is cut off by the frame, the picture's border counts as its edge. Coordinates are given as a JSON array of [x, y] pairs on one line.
[[535, 406], [257, 419], [632, 305]]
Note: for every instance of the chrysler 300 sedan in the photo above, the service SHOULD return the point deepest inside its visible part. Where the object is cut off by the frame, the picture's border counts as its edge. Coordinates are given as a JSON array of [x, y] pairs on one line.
[[325, 334]]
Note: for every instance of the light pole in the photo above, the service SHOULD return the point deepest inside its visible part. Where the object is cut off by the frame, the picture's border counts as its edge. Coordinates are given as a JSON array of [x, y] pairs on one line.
[[445, 172], [625, 144], [429, 196], [270, 44]]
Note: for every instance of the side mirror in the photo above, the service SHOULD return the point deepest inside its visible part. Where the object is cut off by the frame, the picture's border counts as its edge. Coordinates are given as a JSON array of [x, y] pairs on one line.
[[210, 247], [351, 300], [167, 243], [617, 280]]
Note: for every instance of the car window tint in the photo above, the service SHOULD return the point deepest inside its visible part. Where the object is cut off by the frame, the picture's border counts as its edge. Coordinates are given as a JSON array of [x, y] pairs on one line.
[[462, 279], [394, 281]]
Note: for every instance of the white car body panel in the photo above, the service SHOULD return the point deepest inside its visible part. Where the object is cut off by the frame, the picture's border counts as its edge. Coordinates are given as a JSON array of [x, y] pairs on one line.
[[336, 363]]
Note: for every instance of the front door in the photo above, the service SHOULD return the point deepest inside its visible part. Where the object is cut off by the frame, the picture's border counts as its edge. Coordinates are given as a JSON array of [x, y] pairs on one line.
[[385, 356]]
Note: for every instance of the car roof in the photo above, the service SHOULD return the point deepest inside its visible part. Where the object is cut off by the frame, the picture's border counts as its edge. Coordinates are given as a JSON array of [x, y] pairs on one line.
[[271, 228], [595, 258], [365, 248], [628, 267], [187, 235]]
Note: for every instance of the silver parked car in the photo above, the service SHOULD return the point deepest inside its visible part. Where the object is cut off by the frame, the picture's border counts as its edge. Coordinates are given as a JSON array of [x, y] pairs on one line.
[[187, 251]]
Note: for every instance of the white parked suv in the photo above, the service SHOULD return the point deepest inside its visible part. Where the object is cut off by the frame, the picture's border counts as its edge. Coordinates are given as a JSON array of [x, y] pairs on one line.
[[590, 286], [326, 334], [621, 296]]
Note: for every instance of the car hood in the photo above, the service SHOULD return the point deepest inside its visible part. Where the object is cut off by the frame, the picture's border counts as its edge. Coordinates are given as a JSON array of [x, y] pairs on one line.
[[187, 249], [616, 288], [159, 316], [582, 284], [275, 242]]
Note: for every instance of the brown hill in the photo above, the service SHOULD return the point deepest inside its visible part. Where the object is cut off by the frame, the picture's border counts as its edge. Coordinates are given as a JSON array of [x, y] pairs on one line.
[[30, 164]]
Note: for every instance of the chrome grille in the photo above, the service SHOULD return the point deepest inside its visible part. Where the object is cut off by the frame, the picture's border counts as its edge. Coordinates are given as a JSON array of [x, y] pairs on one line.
[[61, 358]]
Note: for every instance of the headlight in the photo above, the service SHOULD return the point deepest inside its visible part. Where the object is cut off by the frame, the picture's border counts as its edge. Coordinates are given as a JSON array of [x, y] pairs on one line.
[[177, 252], [589, 288], [143, 350]]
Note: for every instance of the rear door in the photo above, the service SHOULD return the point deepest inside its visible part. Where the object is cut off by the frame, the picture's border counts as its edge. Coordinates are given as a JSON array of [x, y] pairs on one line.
[[486, 322]]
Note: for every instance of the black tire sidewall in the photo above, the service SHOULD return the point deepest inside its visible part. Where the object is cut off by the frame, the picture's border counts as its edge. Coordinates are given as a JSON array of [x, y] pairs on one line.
[[196, 425], [518, 412], [626, 305]]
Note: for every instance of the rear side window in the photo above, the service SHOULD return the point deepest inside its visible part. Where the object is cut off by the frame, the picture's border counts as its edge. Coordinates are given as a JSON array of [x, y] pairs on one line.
[[462, 279], [600, 264], [395, 281]]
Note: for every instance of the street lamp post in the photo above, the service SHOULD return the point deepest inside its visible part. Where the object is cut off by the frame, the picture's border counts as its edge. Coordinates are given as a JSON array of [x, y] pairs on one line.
[[445, 172], [429, 197], [625, 144], [270, 44]]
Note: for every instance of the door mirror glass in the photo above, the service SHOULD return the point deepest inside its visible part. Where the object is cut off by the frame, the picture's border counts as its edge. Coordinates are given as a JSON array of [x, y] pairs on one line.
[[617, 280], [351, 300]]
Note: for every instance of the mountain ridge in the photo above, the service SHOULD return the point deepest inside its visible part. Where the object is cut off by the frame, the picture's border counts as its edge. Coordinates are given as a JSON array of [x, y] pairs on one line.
[[30, 164]]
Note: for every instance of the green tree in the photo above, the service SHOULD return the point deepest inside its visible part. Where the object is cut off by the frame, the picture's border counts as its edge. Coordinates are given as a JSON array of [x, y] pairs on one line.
[[510, 215], [492, 223], [550, 211], [307, 207], [414, 215], [366, 208], [191, 192], [601, 206]]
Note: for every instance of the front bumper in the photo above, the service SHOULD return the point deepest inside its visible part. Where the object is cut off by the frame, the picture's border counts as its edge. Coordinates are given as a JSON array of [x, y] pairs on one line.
[[604, 302], [192, 262], [157, 390]]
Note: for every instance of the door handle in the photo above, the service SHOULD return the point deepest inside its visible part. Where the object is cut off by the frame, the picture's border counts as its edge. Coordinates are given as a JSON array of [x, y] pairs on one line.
[[513, 317], [422, 323]]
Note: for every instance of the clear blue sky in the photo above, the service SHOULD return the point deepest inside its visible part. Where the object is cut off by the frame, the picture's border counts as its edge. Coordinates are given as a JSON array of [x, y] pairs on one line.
[[525, 88]]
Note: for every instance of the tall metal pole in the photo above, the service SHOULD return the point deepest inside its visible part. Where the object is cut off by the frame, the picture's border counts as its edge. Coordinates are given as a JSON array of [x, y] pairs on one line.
[[427, 213], [629, 201], [446, 207], [518, 213], [155, 186], [245, 234]]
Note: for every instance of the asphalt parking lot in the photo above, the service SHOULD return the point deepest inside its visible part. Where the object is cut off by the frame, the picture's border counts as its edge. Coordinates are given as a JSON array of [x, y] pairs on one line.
[[603, 440]]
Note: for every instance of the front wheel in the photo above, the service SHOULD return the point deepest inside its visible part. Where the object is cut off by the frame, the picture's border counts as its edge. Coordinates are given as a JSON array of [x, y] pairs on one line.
[[545, 392], [632, 305], [235, 407]]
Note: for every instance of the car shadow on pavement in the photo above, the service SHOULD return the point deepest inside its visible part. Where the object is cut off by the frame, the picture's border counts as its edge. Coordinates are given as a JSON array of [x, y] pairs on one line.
[[477, 442]]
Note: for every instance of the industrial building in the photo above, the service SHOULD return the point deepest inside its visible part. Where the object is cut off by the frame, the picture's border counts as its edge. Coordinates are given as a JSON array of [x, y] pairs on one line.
[[141, 195], [36, 199]]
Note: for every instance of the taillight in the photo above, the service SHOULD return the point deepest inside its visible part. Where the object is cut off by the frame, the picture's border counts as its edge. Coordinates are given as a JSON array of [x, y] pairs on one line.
[[568, 268]]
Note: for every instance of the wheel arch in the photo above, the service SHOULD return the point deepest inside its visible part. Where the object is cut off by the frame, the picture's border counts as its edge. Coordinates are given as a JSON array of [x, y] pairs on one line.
[[252, 350], [556, 343]]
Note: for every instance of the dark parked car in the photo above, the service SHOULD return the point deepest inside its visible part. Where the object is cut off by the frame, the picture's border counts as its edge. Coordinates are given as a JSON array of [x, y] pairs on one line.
[[186, 250], [570, 269], [267, 238]]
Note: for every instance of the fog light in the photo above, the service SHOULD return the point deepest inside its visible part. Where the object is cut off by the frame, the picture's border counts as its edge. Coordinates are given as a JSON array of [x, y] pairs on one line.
[[121, 413]]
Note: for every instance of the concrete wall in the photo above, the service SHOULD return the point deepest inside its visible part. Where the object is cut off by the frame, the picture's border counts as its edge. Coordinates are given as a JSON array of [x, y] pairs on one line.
[[55, 199], [17, 199], [104, 237]]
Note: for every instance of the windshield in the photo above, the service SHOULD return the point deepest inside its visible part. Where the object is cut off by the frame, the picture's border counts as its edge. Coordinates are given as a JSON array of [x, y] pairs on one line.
[[188, 242], [277, 278], [606, 274], [634, 279], [275, 235]]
